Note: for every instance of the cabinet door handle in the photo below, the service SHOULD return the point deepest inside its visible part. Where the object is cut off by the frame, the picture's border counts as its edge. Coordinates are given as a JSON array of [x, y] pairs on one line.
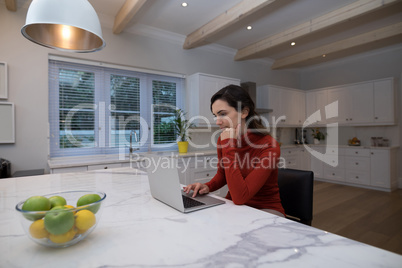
[[357, 163], [357, 177], [105, 168], [376, 117], [372, 153], [356, 152], [333, 174]]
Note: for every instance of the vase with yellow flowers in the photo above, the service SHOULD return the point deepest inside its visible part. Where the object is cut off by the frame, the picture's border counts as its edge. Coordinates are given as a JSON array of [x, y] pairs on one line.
[[318, 135]]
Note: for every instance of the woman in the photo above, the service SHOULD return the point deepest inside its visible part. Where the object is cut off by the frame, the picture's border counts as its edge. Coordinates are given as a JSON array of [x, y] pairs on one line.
[[247, 154]]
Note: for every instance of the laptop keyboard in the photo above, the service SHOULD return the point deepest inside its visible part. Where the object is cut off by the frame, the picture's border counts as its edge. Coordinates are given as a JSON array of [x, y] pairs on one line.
[[189, 202]]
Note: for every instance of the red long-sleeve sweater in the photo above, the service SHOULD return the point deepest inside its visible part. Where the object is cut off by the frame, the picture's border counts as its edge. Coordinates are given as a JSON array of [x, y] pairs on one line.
[[250, 171]]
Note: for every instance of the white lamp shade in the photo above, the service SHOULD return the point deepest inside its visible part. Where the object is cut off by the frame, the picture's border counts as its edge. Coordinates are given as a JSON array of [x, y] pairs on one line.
[[67, 25]]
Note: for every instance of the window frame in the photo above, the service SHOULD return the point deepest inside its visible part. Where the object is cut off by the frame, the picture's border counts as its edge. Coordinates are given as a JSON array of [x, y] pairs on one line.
[[102, 127]]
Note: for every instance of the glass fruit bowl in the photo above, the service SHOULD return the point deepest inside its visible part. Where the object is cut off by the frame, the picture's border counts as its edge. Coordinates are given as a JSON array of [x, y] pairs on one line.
[[53, 222]]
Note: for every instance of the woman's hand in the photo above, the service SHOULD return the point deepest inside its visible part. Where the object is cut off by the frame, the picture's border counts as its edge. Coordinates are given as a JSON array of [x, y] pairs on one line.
[[231, 133], [197, 188]]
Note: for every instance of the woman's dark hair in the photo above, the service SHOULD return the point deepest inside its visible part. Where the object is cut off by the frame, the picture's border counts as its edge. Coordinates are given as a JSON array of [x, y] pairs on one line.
[[233, 95]]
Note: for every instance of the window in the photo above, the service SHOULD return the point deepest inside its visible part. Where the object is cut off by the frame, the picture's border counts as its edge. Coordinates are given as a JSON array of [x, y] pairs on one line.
[[102, 110]]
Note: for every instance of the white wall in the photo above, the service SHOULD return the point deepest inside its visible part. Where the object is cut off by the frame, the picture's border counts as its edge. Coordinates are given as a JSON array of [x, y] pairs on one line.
[[28, 78]]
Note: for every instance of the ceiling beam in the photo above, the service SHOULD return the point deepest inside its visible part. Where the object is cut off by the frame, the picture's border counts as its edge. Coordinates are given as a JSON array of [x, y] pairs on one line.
[[343, 14], [126, 13], [11, 5], [233, 15], [330, 51]]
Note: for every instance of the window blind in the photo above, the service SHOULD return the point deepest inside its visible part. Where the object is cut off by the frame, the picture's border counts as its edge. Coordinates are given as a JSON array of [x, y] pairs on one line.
[[100, 110]]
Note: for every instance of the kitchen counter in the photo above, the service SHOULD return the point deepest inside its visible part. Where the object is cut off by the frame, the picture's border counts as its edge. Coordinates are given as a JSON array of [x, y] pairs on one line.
[[138, 231], [64, 162], [289, 146]]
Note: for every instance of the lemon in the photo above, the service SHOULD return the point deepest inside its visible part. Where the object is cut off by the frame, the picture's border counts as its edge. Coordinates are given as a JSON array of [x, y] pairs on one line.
[[70, 207], [63, 238], [37, 229], [84, 219]]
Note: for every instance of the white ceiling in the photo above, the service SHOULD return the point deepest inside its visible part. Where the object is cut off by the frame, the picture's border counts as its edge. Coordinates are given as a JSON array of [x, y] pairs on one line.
[[170, 16]]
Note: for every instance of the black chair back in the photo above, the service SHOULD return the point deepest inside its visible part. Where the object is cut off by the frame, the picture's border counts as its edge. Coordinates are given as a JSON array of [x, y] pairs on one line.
[[296, 191]]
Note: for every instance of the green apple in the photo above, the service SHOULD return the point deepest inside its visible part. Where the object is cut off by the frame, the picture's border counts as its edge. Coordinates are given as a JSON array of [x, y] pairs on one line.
[[35, 203], [59, 221], [89, 199], [57, 201], [58, 207]]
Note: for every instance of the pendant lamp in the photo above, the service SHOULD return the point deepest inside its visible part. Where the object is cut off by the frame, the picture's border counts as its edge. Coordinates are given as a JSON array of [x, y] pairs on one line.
[[66, 25]]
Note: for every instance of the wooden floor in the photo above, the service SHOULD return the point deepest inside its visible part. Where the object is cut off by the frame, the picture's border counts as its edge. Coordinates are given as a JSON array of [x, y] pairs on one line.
[[368, 216]]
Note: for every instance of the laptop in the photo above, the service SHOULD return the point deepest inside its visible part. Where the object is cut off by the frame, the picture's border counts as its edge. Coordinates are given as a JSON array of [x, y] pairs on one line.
[[164, 183]]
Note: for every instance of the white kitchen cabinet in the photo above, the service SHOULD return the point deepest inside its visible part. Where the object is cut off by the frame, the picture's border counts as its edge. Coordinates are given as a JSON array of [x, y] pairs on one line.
[[362, 109], [291, 158], [317, 165], [295, 158], [294, 107], [341, 95], [311, 105], [270, 97], [322, 101], [288, 105], [355, 104], [373, 168], [199, 90], [301, 108], [316, 100], [383, 168], [334, 174], [335, 170], [384, 101], [357, 168], [304, 160]]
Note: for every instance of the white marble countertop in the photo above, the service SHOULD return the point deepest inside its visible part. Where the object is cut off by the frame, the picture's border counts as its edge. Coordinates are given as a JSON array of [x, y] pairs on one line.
[[138, 231]]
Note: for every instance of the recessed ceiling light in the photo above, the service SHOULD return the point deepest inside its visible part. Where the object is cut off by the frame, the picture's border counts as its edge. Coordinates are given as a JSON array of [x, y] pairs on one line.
[[324, 56], [184, 4], [293, 43], [249, 27]]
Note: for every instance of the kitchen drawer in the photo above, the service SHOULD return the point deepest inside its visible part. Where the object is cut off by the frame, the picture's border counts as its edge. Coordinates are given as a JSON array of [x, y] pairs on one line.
[[334, 174], [357, 163], [290, 152], [104, 166], [357, 152], [291, 162], [204, 175], [358, 177], [337, 161], [69, 169]]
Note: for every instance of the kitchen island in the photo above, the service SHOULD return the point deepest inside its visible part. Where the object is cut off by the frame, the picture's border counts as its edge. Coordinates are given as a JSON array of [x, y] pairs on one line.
[[136, 230]]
